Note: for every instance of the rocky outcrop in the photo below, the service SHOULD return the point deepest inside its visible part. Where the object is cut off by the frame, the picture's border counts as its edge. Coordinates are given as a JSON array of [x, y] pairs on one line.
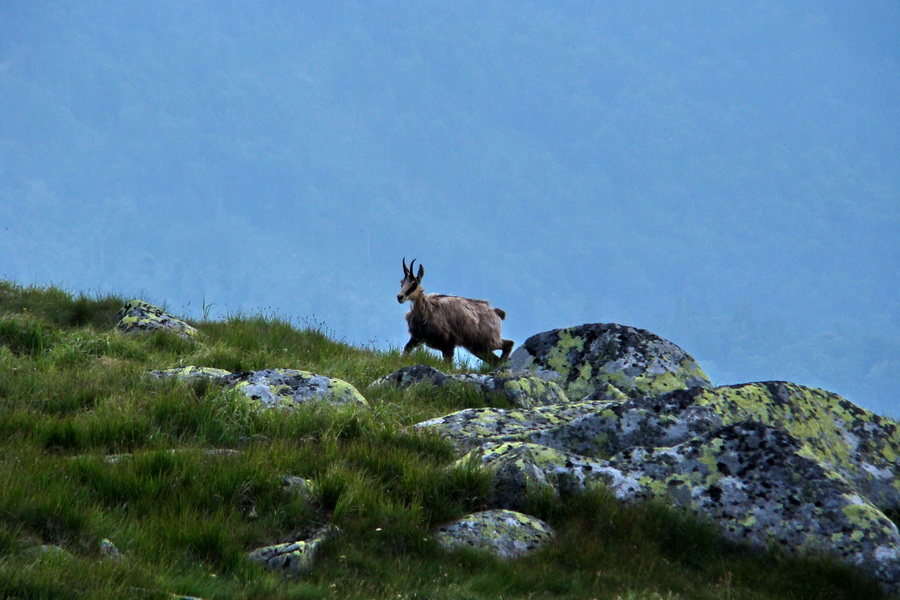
[[754, 481], [858, 445], [138, 316], [271, 388], [504, 533], [607, 361], [520, 389], [769, 463]]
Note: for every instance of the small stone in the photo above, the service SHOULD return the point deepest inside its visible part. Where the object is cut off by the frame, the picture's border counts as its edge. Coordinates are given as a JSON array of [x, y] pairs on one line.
[[138, 316], [285, 388], [291, 558], [109, 550], [503, 533]]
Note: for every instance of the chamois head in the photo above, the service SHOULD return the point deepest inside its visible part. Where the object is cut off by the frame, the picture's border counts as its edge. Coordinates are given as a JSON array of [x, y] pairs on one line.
[[410, 288]]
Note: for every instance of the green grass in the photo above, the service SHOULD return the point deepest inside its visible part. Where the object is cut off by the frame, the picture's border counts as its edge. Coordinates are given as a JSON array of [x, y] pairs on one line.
[[73, 392]]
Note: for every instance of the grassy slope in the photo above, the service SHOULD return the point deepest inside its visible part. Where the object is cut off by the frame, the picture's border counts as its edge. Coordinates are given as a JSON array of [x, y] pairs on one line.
[[73, 391]]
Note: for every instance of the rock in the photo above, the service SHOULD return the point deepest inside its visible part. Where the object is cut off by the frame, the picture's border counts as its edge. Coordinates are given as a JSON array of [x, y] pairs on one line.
[[415, 374], [126, 456], [861, 446], [473, 428], [289, 387], [298, 486], [607, 361], [109, 550], [503, 533], [53, 550], [756, 483], [139, 316], [291, 558], [760, 486], [270, 388], [519, 389], [769, 462], [521, 468], [189, 373]]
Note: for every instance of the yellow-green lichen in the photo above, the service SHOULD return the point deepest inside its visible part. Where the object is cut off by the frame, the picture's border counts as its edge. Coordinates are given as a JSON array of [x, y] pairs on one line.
[[558, 360], [819, 419], [659, 384], [710, 455], [340, 389]]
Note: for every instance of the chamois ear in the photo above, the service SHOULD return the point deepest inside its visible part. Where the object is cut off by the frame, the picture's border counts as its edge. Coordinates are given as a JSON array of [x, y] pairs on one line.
[[421, 273]]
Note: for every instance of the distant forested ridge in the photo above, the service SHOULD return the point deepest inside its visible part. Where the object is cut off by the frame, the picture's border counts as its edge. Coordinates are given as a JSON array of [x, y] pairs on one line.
[[725, 176]]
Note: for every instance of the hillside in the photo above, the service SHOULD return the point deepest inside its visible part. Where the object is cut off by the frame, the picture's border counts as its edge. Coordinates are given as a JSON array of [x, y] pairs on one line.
[[120, 484]]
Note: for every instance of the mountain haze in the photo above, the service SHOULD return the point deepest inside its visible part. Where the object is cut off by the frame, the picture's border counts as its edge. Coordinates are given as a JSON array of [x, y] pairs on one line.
[[723, 174]]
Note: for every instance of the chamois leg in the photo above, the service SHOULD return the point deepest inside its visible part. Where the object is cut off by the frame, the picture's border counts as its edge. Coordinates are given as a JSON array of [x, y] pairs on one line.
[[411, 345], [488, 357], [448, 353], [507, 348]]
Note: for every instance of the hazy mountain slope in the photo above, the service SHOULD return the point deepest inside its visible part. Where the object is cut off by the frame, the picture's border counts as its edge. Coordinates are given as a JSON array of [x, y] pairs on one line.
[[723, 175]]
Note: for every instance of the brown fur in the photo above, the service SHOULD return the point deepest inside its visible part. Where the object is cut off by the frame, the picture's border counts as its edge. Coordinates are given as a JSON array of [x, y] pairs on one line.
[[445, 322]]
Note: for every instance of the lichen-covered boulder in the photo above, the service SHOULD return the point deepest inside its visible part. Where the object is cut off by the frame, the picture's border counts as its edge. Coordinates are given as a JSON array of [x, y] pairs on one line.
[[760, 486], [591, 428], [291, 558], [289, 387], [548, 425], [606, 361], [140, 316], [412, 375], [857, 444], [520, 469], [519, 389], [270, 388], [861, 446], [503, 533], [756, 483], [191, 373]]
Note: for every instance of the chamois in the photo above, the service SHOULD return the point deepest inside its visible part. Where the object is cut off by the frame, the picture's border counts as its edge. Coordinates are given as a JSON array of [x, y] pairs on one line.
[[445, 322]]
